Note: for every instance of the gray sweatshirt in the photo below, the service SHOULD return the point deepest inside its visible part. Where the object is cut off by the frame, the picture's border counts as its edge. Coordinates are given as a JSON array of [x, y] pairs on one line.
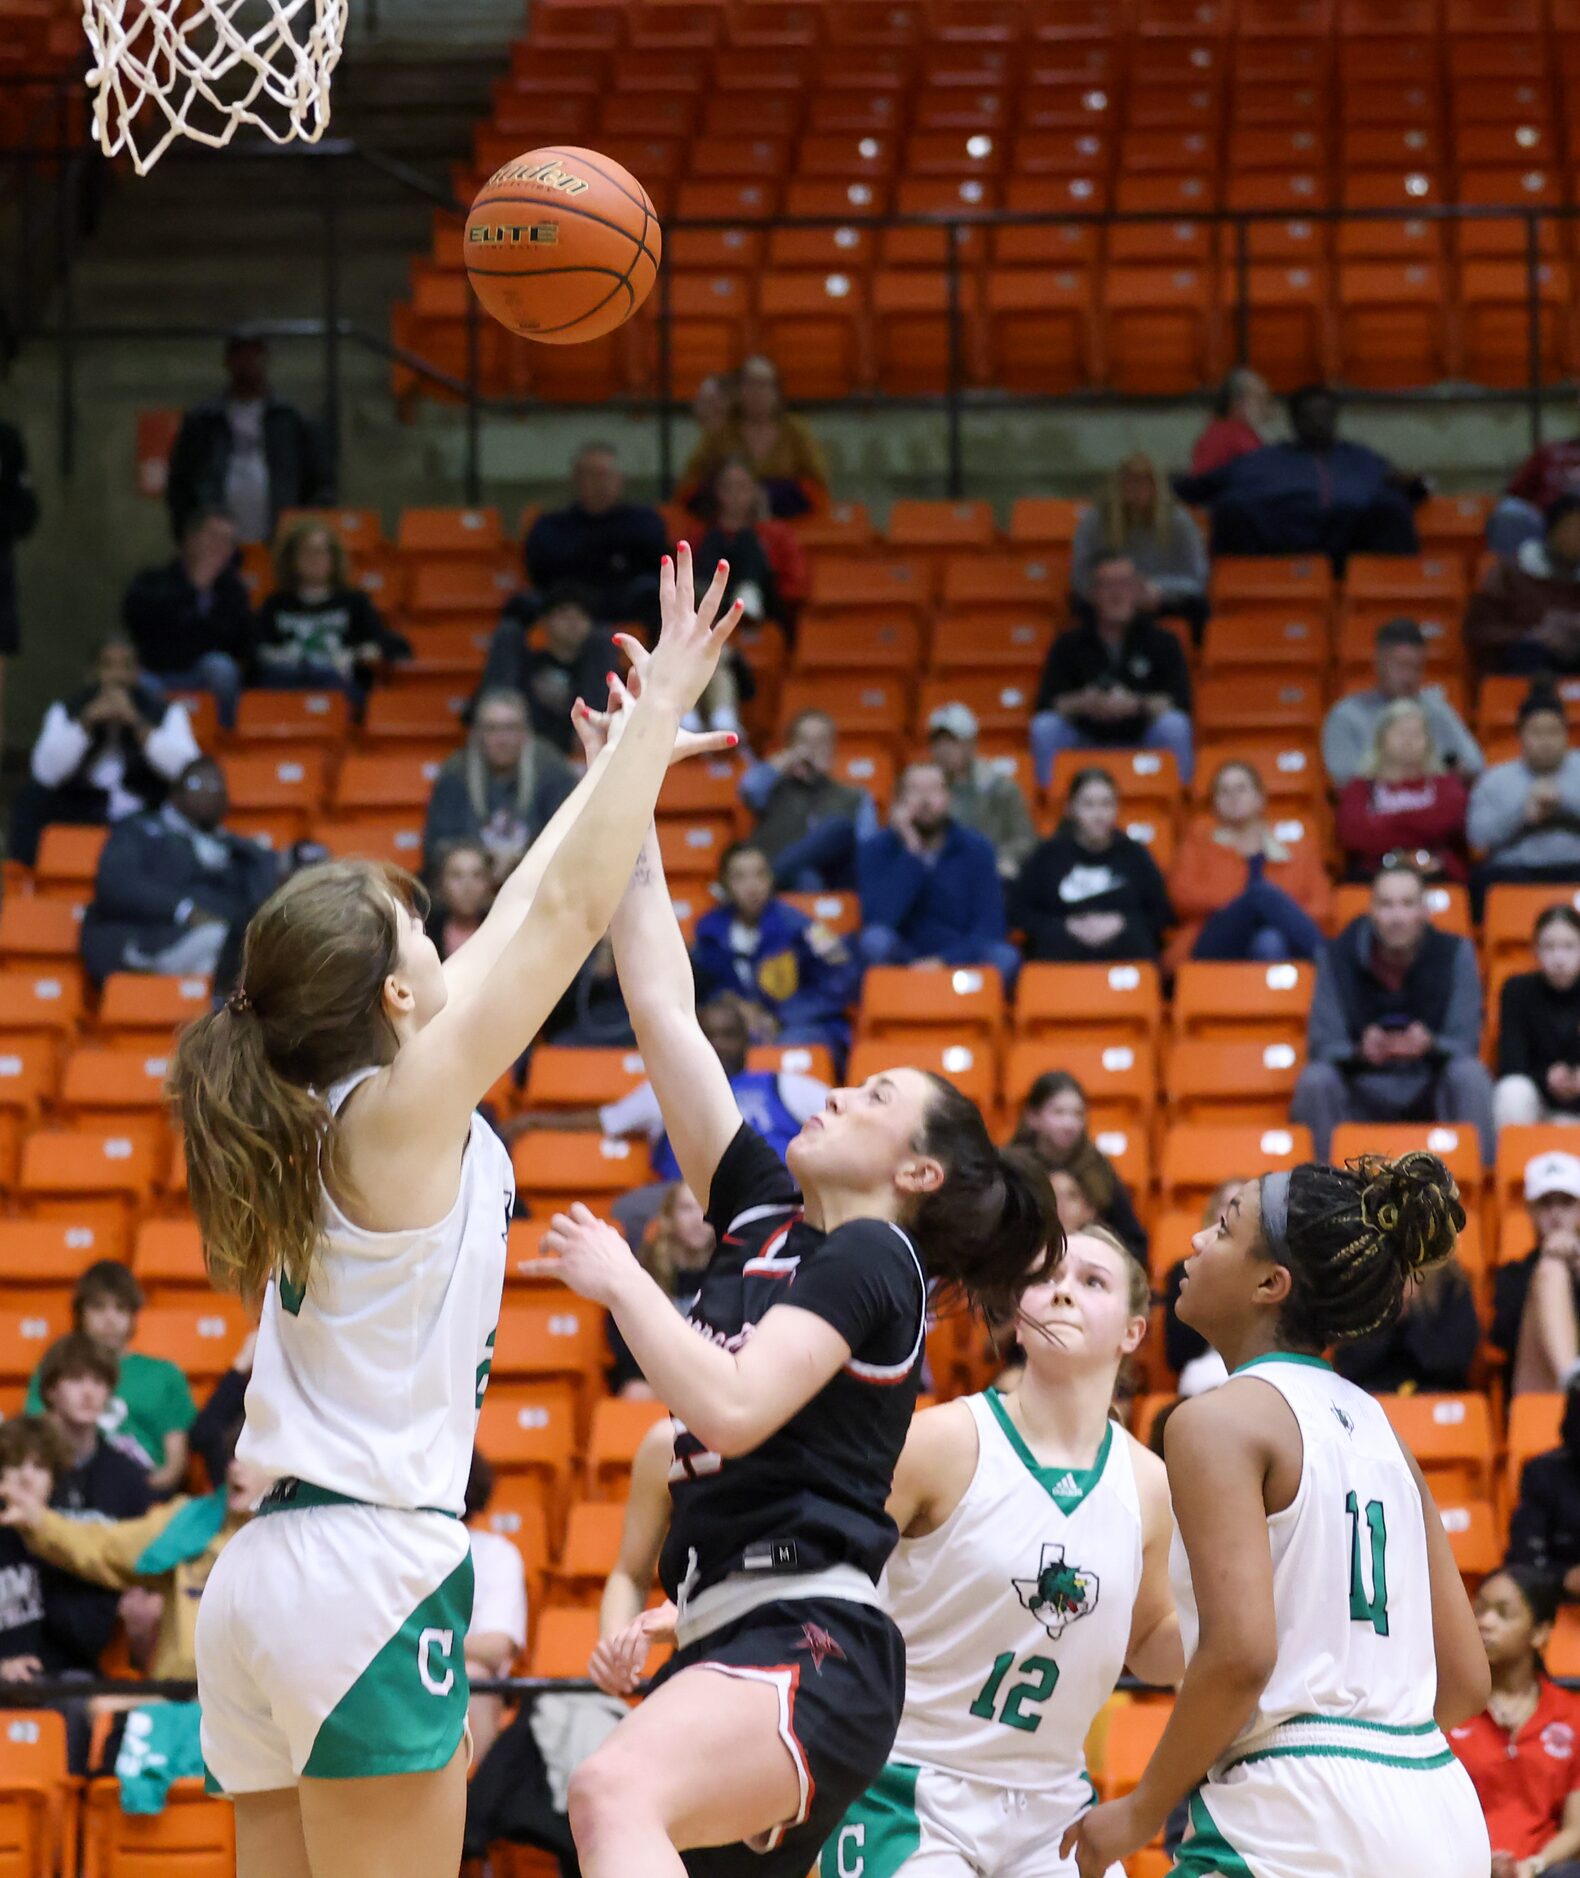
[[1352, 723], [1496, 823], [1177, 566]]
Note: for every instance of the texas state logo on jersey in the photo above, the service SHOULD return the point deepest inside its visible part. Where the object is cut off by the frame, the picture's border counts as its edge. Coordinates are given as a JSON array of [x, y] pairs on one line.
[[1059, 1593]]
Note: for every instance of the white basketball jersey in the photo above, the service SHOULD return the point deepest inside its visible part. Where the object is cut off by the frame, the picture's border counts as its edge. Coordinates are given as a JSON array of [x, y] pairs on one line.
[[1016, 1612], [369, 1382], [1351, 1589]]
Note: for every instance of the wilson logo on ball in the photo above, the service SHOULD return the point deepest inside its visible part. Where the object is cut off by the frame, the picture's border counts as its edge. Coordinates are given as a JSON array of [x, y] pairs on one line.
[[506, 235], [551, 175]]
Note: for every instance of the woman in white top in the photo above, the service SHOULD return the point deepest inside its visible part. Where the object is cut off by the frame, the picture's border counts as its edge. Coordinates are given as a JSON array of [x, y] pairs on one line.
[[1329, 1638], [341, 1174]]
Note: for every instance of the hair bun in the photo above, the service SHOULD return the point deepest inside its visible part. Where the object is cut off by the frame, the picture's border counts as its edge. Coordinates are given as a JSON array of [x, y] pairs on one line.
[[1413, 1204]]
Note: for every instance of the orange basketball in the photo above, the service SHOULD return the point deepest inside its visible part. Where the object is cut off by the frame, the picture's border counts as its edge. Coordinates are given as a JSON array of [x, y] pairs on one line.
[[562, 245]]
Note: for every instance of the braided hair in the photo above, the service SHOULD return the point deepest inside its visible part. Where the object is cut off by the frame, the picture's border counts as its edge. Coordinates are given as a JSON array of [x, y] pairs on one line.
[[1355, 1238]]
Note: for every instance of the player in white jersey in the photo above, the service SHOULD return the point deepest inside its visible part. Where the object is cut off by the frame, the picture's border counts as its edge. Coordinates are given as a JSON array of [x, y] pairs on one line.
[[1032, 1568], [342, 1177], [1330, 1640]]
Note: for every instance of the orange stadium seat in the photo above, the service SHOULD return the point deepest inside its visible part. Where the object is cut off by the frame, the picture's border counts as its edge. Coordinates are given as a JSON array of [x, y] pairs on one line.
[[1291, 701], [458, 533], [1142, 777], [1535, 1427], [1133, 1733], [40, 998], [1123, 1000], [78, 1164], [1450, 1436], [68, 857], [39, 932], [516, 1514], [815, 324], [563, 1642], [529, 1429], [38, 1796], [29, 1073], [299, 716], [969, 1063], [372, 780], [138, 1004], [126, 1083], [50, 1253], [591, 1549], [200, 1337], [167, 1256], [1240, 582], [616, 1433], [1240, 1002], [1511, 915], [1455, 1145], [555, 1167], [890, 644], [965, 998], [1246, 1084], [1198, 1156], [1474, 1535], [561, 1078], [975, 642], [193, 1837], [1118, 1075]]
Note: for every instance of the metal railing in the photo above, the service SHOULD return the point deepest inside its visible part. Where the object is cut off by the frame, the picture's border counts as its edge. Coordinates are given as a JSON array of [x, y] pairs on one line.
[[74, 203]]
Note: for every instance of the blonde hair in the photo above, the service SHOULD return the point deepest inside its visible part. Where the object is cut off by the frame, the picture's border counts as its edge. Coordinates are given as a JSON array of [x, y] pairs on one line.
[[1116, 530], [249, 1080], [1397, 713]]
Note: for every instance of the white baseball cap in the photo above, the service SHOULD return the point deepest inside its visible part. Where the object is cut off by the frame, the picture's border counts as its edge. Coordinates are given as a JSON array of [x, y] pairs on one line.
[[1556, 1172]]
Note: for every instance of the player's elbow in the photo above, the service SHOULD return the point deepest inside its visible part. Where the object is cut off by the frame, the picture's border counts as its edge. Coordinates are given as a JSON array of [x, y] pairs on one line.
[[1463, 1690], [1243, 1662], [732, 1429]]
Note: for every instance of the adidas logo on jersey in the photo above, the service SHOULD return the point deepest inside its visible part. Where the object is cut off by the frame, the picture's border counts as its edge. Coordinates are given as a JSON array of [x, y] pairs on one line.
[[1067, 1487]]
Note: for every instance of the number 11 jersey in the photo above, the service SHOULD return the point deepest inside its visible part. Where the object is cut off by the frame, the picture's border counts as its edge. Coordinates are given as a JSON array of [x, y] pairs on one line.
[[1016, 1613]]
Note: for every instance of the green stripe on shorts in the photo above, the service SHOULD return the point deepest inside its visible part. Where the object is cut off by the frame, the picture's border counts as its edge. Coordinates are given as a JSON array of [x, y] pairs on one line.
[[880, 1832], [405, 1713], [1207, 1853]]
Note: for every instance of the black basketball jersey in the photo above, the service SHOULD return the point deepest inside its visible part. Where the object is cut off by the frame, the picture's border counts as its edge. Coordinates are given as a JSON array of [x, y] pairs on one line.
[[814, 1494]]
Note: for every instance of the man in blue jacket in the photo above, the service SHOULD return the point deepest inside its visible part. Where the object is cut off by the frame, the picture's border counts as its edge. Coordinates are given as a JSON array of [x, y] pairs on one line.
[[930, 889], [792, 974], [1316, 495]]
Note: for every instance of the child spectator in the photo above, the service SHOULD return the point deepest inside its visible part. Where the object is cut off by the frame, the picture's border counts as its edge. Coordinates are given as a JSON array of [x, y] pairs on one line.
[[462, 894], [1052, 1127], [1520, 1750], [30, 1459], [1402, 797], [108, 750], [497, 1633], [1544, 1532], [151, 1409], [1539, 1030], [1089, 891], [794, 978], [1242, 892], [316, 630]]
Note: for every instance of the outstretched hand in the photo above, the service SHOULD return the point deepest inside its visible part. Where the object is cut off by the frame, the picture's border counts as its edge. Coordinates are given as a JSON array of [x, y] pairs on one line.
[[587, 1254]]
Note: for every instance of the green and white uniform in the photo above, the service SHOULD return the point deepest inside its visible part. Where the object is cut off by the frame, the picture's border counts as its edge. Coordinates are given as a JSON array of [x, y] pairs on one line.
[[1016, 1614], [1341, 1770], [329, 1640]]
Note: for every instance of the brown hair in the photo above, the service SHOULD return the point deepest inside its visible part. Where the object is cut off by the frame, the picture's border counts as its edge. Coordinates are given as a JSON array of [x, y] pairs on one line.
[[76, 1355], [290, 546], [30, 1438], [660, 1242], [249, 1079], [105, 1278]]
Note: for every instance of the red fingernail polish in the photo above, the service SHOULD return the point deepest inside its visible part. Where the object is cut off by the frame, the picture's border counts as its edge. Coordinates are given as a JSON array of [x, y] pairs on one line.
[[723, 565], [609, 676], [666, 561], [733, 740]]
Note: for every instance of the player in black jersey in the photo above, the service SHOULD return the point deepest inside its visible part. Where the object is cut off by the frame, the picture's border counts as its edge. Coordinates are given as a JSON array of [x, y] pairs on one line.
[[792, 1382]]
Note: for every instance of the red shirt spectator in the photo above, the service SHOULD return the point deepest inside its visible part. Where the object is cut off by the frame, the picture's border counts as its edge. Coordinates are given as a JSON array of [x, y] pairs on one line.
[[1523, 1779], [1548, 473], [1239, 424], [1402, 798]]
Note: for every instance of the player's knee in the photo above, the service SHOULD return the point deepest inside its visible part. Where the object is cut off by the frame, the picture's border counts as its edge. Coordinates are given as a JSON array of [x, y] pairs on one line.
[[605, 1783]]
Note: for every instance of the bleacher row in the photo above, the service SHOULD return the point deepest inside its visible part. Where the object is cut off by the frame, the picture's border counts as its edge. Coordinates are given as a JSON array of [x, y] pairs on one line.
[[741, 112]]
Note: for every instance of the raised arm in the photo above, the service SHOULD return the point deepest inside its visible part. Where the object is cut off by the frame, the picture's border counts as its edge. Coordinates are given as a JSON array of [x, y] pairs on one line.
[[455, 1058]]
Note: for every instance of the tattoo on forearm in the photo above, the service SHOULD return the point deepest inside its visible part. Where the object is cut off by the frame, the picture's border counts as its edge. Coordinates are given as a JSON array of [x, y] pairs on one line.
[[644, 873]]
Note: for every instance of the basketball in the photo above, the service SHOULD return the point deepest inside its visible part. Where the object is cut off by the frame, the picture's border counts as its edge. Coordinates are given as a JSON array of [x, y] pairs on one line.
[[562, 245]]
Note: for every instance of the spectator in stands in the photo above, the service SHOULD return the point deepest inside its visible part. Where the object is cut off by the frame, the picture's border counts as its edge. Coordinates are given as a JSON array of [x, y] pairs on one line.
[[109, 750], [463, 891], [599, 542], [711, 406], [1240, 891], [593, 1012], [1242, 416], [1536, 1299], [981, 795], [794, 978], [190, 620], [1549, 472], [316, 630], [247, 451], [1090, 891], [1395, 1026], [1139, 520], [552, 662], [172, 882], [170, 1549], [1117, 678], [18, 519], [1431, 1345], [1402, 799], [1524, 815], [1317, 495], [1520, 1750], [212, 1437], [1544, 1531], [150, 1408], [675, 1251], [778, 446], [808, 822], [497, 1632], [775, 1102], [1074, 1198], [768, 565], [930, 889], [1052, 1127], [1539, 1029], [95, 1481], [30, 1459], [1349, 730], [502, 789], [1524, 618]]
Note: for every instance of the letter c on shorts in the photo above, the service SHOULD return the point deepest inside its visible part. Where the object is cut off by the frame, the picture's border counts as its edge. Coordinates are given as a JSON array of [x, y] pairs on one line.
[[856, 1837], [444, 1642]]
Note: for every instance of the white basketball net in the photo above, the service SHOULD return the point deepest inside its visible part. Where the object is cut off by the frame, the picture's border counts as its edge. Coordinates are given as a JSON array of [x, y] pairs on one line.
[[164, 69]]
